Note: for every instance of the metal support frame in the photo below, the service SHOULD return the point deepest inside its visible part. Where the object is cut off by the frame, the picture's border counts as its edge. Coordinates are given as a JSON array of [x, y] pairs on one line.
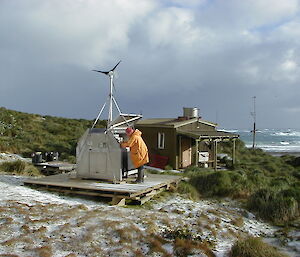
[[99, 114]]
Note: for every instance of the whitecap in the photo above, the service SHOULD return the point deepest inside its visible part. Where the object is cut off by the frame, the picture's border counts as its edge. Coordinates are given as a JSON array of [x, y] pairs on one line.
[[284, 143]]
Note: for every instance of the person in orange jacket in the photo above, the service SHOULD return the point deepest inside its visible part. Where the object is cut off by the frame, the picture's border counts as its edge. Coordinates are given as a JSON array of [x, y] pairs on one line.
[[138, 151]]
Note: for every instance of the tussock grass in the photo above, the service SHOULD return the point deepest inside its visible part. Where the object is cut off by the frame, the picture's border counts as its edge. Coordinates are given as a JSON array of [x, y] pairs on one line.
[[138, 253], [128, 233], [15, 240], [19, 168], [274, 206], [156, 245], [14, 166], [254, 247], [220, 183], [188, 190], [185, 247], [185, 242], [269, 185], [152, 227], [44, 251], [239, 222]]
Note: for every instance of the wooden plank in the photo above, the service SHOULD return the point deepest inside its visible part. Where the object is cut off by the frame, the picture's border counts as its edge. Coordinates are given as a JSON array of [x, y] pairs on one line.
[[68, 183], [85, 186], [124, 188], [119, 201], [69, 191], [149, 197]]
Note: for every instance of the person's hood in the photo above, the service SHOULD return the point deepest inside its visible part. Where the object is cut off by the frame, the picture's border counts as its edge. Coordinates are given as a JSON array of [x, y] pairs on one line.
[[137, 133]]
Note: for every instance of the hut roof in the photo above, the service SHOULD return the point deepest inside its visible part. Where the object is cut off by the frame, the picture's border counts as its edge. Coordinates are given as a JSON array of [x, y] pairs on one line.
[[172, 122]]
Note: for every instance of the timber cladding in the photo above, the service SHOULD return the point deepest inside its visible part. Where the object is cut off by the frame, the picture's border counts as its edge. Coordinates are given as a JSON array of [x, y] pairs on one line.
[[197, 126], [150, 136]]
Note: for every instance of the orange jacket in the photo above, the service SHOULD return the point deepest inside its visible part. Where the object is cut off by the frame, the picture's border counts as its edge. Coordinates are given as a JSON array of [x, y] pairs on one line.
[[138, 149]]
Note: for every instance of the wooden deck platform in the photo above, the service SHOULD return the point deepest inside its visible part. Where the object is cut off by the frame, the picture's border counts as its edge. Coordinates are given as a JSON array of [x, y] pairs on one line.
[[119, 193]]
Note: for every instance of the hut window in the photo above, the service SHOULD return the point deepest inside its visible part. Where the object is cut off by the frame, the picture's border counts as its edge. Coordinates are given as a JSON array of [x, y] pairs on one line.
[[161, 140]]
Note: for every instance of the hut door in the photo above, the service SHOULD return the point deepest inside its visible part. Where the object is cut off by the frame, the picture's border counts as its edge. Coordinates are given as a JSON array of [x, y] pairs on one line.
[[186, 150]]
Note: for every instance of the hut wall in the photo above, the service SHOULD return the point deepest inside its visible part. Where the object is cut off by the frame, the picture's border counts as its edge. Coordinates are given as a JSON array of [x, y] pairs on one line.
[[150, 136]]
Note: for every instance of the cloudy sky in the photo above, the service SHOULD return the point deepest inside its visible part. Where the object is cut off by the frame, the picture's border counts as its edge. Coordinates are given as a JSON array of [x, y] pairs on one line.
[[211, 54]]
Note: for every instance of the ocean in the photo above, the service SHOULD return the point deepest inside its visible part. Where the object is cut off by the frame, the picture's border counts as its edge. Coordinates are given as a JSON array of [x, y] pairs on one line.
[[275, 141]]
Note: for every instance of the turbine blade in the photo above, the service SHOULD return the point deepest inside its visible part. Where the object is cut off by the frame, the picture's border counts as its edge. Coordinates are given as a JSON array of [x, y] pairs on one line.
[[115, 66], [105, 72]]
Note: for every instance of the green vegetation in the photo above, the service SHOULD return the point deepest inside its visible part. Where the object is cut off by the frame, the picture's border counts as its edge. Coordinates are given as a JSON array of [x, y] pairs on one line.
[[273, 205], [270, 185], [188, 190], [254, 247], [26, 133], [19, 168]]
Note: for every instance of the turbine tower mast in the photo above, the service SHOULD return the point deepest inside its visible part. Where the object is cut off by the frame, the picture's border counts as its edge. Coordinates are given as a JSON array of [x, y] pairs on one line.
[[110, 114], [110, 97]]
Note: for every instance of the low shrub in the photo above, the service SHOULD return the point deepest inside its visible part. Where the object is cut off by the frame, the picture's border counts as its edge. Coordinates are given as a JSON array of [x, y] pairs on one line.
[[254, 247], [258, 178], [31, 170], [273, 205], [195, 169], [186, 243], [296, 174], [19, 167], [293, 191], [219, 183], [181, 234], [188, 190], [291, 160], [280, 182], [13, 166]]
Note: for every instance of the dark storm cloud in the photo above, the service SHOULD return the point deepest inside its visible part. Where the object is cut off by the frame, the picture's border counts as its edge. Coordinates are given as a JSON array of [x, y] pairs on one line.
[[214, 55]]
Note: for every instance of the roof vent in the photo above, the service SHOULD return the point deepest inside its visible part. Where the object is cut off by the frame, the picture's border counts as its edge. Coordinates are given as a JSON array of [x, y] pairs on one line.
[[190, 112]]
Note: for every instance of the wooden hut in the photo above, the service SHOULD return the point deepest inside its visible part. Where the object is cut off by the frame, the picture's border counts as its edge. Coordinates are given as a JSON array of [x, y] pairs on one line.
[[183, 141]]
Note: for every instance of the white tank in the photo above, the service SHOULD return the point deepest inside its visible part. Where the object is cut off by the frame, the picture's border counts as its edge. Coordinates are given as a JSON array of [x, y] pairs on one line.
[[190, 112]]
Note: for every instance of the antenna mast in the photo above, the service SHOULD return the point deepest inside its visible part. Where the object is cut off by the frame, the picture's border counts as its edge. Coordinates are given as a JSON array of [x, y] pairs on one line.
[[254, 122]]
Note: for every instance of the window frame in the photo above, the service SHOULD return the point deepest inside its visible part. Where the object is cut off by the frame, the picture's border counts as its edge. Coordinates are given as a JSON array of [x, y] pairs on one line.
[[161, 140]]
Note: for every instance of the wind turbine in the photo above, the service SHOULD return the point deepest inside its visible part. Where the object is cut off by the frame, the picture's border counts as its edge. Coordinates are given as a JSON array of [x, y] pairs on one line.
[[112, 100]]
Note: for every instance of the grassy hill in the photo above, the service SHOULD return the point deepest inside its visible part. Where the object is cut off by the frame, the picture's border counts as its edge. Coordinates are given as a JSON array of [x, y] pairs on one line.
[[26, 133]]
